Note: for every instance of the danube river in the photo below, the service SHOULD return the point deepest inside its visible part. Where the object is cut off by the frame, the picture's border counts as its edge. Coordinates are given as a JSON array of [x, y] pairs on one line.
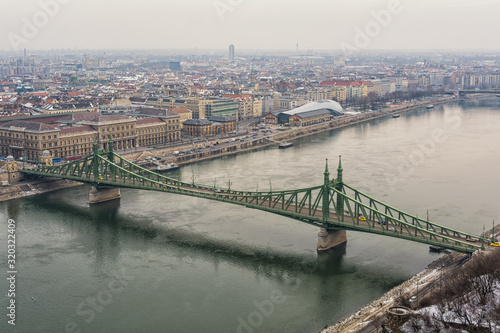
[[156, 262]]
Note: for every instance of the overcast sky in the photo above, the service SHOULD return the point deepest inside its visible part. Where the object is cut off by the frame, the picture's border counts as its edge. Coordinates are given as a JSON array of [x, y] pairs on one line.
[[250, 24]]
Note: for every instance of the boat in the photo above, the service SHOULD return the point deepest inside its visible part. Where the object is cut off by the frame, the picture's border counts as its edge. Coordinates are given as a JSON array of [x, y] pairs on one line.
[[285, 145], [396, 115], [498, 95], [434, 248], [429, 106], [166, 167]]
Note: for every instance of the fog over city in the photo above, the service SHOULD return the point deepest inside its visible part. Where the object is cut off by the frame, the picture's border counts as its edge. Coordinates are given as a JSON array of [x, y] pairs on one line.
[[304, 26]]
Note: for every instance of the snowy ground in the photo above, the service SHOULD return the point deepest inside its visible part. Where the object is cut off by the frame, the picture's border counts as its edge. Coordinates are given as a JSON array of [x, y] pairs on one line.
[[471, 310]]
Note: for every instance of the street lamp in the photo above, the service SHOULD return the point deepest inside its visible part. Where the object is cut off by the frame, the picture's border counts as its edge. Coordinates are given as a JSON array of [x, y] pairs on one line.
[[193, 177], [417, 294]]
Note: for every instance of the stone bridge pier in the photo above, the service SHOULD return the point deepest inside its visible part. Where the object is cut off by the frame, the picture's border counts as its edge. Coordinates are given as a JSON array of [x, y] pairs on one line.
[[329, 239], [98, 195]]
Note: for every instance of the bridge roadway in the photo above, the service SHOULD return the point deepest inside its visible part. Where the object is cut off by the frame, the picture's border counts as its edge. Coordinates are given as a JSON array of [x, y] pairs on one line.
[[312, 215]]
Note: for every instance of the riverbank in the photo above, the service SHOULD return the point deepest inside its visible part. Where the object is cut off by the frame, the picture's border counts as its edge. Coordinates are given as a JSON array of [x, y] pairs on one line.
[[29, 188], [371, 317]]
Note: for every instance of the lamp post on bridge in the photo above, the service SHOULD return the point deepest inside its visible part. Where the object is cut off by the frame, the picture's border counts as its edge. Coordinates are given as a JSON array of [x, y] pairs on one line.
[[193, 177], [493, 233]]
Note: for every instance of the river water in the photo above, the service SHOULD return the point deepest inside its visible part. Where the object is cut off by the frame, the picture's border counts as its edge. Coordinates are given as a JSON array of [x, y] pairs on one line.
[[156, 262]]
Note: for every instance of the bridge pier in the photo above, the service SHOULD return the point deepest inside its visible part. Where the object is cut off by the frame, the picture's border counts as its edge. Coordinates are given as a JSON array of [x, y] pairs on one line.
[[328, 239], [98, 195]]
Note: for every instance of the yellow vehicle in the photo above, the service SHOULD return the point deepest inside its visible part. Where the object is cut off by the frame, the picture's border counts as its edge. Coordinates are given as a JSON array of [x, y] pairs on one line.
[[362, 218], [495, 244]]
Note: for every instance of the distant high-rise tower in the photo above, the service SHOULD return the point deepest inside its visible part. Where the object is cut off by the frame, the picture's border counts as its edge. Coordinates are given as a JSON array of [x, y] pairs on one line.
[[231, 52]]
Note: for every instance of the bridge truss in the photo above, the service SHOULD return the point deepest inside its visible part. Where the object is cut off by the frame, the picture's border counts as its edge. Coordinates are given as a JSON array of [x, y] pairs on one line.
[[332, 205]]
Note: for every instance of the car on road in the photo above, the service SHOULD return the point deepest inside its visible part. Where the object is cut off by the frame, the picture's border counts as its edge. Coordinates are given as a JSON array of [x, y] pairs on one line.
[[392, 229], [413, 299], [362, 218], [495, 244]]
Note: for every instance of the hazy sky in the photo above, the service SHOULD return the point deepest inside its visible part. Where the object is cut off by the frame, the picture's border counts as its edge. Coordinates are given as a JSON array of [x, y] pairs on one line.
[[250, 24]]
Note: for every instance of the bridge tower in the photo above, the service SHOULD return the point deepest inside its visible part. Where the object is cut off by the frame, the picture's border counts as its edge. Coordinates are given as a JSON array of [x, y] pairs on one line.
[[111, 156], [98, 194], [331, 238], [326, 193], [339, 186]]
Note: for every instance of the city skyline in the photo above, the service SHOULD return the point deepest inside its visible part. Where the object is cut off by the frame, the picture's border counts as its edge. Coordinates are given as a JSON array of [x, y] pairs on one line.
[[260, 25]]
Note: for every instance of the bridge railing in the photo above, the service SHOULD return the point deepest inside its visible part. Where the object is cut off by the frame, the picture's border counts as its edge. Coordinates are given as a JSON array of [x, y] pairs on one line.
[[99, 170], [410, 219], [341, 209], [377, 219]]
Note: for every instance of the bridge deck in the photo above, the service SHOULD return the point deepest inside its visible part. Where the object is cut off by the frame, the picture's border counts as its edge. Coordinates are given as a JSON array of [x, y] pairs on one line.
[[306, 205]]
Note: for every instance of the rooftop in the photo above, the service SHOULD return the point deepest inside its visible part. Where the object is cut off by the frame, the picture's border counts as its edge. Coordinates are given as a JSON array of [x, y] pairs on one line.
[[327, 104]]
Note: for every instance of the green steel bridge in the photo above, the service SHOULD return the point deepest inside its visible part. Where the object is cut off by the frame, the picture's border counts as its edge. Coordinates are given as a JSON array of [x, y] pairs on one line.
[[332, 205]]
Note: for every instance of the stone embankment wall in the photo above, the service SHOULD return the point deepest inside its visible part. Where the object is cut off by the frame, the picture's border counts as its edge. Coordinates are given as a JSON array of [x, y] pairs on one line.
[[27, 188]]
